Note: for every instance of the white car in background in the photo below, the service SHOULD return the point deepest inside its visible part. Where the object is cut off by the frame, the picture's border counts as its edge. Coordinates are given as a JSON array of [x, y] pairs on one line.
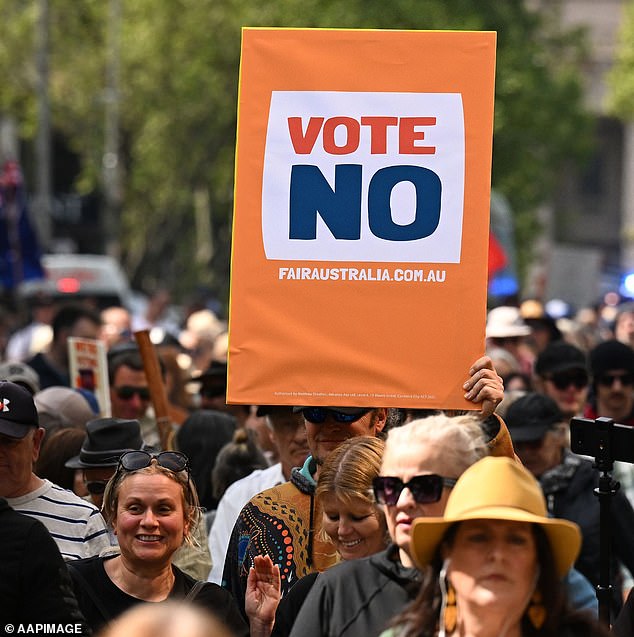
[[97, 277]]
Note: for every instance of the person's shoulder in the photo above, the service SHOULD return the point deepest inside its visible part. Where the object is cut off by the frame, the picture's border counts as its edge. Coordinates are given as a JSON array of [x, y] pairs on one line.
[[24, 533], [279, 492], [37, 360], [348, 570], [87, 566], [207, 589], [54, 494], [255, 482], [19, 520]]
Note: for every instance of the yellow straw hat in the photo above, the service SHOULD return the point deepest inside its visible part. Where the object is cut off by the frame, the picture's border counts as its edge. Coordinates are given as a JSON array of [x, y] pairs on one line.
[[497, 488]]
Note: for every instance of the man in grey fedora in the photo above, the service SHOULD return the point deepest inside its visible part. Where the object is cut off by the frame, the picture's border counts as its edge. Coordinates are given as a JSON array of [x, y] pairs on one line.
[[106, 440]]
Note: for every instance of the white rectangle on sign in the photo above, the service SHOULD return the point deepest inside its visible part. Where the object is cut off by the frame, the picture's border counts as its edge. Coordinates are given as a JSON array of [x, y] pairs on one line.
[[368, 177]]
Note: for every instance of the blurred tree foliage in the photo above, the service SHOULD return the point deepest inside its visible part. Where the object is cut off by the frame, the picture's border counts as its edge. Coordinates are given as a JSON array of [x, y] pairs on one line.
[[179, 62], [621, 77]]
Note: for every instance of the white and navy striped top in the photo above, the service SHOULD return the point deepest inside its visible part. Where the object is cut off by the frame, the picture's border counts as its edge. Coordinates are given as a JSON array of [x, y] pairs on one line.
[[76, 525]]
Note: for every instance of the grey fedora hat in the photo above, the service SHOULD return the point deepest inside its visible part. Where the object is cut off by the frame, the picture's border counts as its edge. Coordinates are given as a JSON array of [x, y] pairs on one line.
[[106, 439]]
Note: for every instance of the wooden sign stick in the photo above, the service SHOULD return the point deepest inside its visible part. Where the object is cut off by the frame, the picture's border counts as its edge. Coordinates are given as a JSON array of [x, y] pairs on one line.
[[158, 395]]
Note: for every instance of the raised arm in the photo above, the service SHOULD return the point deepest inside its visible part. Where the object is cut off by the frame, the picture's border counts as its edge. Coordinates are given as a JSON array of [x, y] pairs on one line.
[[262, 595]]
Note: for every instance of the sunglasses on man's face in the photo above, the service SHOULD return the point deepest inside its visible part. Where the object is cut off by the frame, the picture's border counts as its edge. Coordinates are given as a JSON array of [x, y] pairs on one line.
[[126, 392], [318, 415], [563, 380], [135, 460], [425, 489], [607, 380], [96, 487]]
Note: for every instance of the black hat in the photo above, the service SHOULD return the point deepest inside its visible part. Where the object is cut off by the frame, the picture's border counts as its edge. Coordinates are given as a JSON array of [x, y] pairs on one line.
[[531, 416], [106, 440], [17, 410], [216, 371], [558, 357], [611, 355]]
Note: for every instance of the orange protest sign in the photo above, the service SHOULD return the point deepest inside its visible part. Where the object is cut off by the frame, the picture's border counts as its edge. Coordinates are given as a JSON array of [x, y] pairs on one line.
[[361, 217]]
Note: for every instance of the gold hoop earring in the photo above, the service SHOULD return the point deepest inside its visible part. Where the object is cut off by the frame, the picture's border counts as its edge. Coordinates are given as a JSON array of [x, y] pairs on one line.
[[451, 610], [536, 611]]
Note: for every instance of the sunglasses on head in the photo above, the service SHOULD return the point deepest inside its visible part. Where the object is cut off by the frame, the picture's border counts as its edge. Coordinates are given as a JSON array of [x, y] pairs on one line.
[[318, 415], [563, 380], [425, 489], [126, 392], [607, 380], [96, 487], [135, 460]]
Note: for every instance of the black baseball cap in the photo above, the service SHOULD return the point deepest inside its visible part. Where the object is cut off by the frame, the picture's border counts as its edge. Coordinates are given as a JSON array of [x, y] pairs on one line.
[[560, 357], [531, 416], [17, 410]]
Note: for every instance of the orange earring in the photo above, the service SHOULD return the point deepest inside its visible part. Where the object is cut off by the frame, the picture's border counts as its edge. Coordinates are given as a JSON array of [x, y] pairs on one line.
[[536, 611], [451, 610]]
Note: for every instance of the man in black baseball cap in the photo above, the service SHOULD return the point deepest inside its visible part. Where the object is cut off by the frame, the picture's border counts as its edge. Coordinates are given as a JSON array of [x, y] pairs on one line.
[[76, 525], [561, 372], [539, 437], [18, 415]]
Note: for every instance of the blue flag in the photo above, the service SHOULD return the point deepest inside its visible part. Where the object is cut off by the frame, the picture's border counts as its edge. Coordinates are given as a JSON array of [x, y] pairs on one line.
[[20, 254]]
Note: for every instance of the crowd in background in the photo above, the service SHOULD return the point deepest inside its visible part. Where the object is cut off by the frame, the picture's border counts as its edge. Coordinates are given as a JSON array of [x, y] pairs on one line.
[[288, 543]]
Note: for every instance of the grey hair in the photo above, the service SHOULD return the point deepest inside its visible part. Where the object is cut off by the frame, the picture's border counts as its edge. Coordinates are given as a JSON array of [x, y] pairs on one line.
[[461, 438]]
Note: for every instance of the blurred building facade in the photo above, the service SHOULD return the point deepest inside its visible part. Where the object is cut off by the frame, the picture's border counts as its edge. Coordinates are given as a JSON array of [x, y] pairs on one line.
[[589, 223]]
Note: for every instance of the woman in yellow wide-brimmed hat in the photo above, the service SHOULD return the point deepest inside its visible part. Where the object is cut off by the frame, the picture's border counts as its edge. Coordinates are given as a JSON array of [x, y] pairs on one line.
[[497, 562]]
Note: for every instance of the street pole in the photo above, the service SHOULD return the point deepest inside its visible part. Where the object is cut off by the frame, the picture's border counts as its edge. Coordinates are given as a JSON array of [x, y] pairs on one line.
[[43, 187], [111, 162]]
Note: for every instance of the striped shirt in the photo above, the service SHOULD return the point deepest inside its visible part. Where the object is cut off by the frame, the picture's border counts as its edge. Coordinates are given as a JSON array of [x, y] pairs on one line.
[[76, 525]]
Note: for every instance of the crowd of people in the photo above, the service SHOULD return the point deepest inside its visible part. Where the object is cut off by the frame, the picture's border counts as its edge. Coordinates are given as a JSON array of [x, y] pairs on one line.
[[311, 520]]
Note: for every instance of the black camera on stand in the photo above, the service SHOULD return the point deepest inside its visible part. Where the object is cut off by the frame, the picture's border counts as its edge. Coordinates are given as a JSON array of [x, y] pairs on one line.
[[606, 442]]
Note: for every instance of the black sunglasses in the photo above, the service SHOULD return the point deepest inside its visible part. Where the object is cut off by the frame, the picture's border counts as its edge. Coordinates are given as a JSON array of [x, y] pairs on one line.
[[134, 460], [96, 487], [607, 380], [318, 415], [425, 489], [125, 392], [563, 380]]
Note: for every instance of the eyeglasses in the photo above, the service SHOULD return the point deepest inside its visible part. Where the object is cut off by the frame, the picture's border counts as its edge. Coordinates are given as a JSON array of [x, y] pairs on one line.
[[135, 460], [318, 415], [529, 445], [425, 489], [607, 380], [126, 392], [96, 487], [563, 380]]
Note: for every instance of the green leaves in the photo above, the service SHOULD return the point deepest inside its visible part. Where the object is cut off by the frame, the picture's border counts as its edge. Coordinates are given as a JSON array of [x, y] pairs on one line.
[[178, 74]]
